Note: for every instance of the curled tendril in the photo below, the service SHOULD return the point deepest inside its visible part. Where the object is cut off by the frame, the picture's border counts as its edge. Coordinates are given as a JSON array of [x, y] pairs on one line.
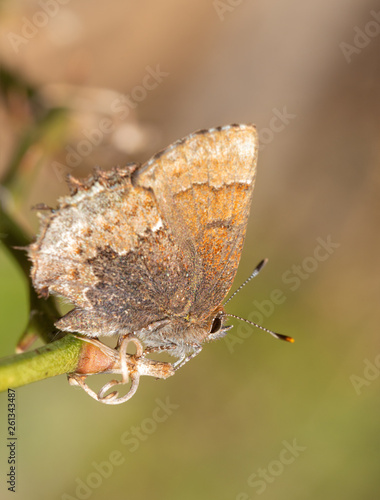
[[131, 367]]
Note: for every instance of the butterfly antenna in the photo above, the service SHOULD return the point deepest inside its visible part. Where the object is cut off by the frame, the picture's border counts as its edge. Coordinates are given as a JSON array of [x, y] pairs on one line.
[[274, 334], [256, 271]]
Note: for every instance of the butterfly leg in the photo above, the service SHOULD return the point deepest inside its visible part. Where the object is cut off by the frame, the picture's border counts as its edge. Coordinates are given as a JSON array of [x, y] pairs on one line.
[[184, 359], [160, 348], [124, 366]]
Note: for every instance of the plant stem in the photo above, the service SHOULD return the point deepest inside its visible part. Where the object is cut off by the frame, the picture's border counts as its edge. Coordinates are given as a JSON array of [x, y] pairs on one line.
[[43, 313], [53, 359]]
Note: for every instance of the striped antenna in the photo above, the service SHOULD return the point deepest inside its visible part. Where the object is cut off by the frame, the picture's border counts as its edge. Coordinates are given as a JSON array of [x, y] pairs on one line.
[[274, 334], [256, 271]]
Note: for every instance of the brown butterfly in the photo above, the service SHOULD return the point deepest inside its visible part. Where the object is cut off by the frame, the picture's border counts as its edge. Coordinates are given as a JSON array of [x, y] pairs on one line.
[[151, 251]]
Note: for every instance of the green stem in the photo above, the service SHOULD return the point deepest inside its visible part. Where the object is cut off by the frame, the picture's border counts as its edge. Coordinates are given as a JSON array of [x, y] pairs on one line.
[[14, 236], [43, 313], [53, 359]]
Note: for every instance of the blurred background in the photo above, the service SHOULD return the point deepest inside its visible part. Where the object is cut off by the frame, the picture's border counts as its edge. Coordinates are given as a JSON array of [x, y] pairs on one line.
[[250, 416]]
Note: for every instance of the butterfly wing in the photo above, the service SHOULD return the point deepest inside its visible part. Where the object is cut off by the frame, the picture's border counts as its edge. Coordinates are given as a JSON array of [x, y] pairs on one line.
[[108, 250], [134, 245], [203, 187]]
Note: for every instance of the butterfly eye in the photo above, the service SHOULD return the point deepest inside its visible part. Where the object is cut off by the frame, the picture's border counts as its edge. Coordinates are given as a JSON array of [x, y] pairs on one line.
[[216, 325]]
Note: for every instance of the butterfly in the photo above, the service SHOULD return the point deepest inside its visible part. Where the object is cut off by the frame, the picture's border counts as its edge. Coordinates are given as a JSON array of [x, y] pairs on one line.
[[151, 251]]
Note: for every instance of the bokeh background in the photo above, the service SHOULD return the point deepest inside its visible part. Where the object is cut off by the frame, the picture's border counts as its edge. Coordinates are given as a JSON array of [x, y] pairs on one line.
[[239, 406]]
